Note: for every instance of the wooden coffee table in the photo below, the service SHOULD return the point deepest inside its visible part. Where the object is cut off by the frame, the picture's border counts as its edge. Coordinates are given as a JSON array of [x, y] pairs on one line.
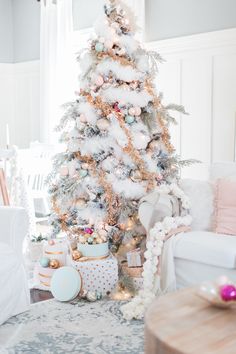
[[183, 323]]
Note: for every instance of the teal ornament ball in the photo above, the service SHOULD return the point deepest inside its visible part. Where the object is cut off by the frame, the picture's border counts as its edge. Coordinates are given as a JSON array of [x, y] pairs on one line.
[[83, 173], [98, 295], [90, 240], [44, 262], [99, 47], [129, 119]]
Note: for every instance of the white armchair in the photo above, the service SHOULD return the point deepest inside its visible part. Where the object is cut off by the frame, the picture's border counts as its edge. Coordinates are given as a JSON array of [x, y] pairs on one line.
[[14, 295]]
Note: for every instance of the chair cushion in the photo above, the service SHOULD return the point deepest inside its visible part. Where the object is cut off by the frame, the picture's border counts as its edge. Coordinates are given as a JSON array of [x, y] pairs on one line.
[[201, 195], [225, 211], [207, 247]]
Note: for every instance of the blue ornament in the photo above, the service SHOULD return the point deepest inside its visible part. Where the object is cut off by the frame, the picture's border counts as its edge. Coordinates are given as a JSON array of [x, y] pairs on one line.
[[83, 173], [129, 119], [90, 240], [98, 295], [44, 262], [99, 47]]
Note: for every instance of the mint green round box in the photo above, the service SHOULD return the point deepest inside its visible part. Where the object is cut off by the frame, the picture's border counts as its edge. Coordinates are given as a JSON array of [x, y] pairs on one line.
[[98, 250]]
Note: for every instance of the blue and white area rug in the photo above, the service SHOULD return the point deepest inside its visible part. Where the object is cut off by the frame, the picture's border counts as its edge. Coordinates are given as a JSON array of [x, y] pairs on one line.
[[51, 327]]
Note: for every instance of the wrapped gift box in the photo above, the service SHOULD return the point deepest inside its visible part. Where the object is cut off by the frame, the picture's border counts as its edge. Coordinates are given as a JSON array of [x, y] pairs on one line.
[[42, 277], [98, 275], [57, 251], [134, 258]]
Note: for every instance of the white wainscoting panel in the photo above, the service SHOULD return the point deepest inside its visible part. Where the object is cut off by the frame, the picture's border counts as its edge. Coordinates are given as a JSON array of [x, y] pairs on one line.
[[200, 73], [6, 101], [19, 103]]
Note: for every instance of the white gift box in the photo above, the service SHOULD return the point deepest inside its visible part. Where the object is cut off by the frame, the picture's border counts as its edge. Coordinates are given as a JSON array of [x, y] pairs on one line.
[[42, 277], [57, 251], [134, 258], [98, 275]]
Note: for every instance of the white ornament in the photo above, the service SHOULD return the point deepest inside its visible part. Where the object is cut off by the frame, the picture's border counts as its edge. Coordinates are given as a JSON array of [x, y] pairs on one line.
[[83, 118], [108, 44], [103, 124]]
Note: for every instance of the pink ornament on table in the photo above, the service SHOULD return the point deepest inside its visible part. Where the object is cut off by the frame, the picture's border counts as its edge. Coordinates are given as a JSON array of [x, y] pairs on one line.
[[99, 80], [83, 118], [88, 230], [64, 171], [137, 111], [132, 111], [228, 292]]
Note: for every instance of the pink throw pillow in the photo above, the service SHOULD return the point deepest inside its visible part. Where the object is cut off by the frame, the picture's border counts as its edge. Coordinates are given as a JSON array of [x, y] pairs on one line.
[[225, 207]]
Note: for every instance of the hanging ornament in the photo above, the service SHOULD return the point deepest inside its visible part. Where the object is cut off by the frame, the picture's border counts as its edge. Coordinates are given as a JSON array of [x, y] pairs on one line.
[[54, 264], [154, 145], [132, 111], [83, 118], [83, 173], [88, 230], [99, 80], [64, 171], [80, 203], [90, 240], [103, 124], [138, 111], [136, 176], [108, 44], [116, 107], [129, 119], [99, 47]]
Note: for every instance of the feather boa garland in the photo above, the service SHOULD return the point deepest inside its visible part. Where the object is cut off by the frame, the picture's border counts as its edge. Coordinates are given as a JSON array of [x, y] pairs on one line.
[[156, 238]]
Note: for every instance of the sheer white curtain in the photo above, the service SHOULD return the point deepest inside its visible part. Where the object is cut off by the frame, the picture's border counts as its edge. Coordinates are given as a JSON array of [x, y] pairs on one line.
[[57, 64]]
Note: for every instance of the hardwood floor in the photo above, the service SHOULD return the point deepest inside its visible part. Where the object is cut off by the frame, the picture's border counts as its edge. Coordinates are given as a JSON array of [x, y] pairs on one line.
[[39, 295]]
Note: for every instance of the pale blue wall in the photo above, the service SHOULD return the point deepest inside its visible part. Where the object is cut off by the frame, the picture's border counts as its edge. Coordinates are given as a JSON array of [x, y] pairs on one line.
[[20, 24], [26, 29], [176, 18], [6, 32]]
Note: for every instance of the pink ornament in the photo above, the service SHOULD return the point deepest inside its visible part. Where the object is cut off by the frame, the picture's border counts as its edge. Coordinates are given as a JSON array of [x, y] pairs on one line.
[[116, 108], [51, 242], [99, 80], [108, 44], [83, 118], [64, 171], [137, 111], [87, 230], [228, 292], [132, 111]]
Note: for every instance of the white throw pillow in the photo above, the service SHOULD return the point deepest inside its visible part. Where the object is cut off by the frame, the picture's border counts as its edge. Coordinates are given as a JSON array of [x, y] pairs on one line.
[[201, 195]]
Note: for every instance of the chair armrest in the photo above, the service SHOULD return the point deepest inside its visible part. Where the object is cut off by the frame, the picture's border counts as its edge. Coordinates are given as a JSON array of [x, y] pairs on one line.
[[14, 226]]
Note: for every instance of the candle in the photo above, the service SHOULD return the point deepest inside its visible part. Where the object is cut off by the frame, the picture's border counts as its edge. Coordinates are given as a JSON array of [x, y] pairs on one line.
[[7, 136]]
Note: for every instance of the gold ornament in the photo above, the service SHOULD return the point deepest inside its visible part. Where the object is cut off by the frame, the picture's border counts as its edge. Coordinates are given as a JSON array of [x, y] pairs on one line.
[[54, 264], [99, 240], [76, 255], [80, 203], [136, 176]]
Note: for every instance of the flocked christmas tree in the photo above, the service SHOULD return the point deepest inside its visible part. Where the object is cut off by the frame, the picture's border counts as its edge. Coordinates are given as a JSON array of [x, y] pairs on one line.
[[116, 131]]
